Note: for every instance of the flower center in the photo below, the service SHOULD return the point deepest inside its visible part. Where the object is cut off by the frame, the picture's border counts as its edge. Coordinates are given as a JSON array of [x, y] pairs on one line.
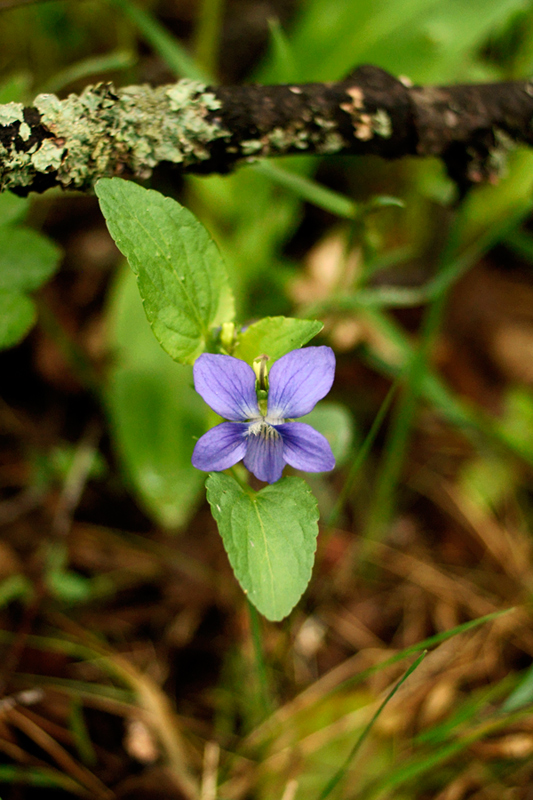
[[263, 429]]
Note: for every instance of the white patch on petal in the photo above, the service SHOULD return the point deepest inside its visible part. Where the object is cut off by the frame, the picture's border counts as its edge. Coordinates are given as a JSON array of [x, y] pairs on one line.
[[273, 420], [263, 428]]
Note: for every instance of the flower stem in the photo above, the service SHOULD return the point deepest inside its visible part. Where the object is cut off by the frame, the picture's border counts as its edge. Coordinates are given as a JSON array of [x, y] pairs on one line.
[[266, 702], [237, 474]]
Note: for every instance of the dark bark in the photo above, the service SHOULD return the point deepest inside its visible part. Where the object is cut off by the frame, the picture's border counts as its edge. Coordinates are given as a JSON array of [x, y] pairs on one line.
[[211, 129]]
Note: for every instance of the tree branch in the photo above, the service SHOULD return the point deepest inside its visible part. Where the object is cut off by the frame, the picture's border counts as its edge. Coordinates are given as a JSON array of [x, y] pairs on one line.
[[106, 131]]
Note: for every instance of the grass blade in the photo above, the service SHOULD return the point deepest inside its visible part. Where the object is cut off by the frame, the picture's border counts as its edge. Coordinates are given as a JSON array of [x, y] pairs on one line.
[[420, 764], [322, 688], [339, 775], [165, 45], [310, 190], [362, 455], [88, 67], [207, 35]]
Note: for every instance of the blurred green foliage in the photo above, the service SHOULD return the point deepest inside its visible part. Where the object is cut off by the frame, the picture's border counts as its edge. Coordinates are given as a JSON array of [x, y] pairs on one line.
[[155, 413], [27, 260]]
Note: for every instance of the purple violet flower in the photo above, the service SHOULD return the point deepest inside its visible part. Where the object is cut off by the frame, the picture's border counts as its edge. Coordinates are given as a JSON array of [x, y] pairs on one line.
[[261, 436]]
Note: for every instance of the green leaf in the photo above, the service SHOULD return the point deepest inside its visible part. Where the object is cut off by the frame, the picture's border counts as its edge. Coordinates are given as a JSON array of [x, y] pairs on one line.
[[12, 208], [270, 539], [27, 258], [155, 413], [275, 336], [17, 315], [180, 273]]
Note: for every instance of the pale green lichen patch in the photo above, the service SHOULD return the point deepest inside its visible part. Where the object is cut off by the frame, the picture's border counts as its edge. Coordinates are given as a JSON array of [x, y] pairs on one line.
[[498, 155], [366, 125], [20, 166], [48, 157], [319, 135], [333, 143], [251, 147], [104, 132], [284, 139], [381, 124], [186, 92], [10, 113], [24, 131]]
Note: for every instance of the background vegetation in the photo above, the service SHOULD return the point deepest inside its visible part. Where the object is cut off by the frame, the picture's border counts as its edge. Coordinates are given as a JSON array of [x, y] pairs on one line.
[[131, 667]]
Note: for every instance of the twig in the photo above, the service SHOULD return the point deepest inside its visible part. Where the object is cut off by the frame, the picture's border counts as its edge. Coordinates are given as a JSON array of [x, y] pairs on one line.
[[129, 131]]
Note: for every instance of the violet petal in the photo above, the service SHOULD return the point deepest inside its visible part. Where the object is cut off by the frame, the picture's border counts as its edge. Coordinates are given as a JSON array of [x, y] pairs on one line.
[[221, 447], [226, 384], [264, 455], [304, 448], [298, 380]]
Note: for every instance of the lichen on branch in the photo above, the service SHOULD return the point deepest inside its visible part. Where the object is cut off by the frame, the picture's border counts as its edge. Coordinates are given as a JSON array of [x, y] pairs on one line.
[[106, 131]]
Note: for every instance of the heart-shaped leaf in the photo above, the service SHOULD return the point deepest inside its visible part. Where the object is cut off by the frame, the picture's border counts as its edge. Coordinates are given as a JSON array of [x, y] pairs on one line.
[[270, 538]]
